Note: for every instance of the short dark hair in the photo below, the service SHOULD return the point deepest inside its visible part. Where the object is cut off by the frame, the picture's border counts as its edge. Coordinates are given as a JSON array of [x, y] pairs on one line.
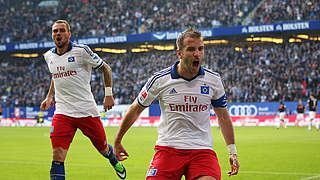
[[190, 32], [64, 22]]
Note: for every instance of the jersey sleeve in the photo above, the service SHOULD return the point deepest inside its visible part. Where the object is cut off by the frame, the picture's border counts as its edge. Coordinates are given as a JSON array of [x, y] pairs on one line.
[[45, 57], [148, 93], [219, 98], [91, 58]]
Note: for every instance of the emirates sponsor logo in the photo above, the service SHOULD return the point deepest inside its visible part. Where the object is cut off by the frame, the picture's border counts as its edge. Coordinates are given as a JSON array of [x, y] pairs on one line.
[[64, 74], [190, 105]]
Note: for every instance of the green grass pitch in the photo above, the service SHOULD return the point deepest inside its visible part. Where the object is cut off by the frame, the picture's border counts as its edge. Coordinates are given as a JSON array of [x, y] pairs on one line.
[[264, 153]]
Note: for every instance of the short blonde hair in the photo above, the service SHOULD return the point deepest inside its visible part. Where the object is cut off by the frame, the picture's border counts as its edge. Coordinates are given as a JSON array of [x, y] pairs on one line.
[[190, 32], [64, 22]]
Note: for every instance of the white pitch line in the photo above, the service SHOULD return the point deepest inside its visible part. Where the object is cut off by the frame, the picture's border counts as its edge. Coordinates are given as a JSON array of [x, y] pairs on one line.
[[313, 177], [279, 173], [68, 164]]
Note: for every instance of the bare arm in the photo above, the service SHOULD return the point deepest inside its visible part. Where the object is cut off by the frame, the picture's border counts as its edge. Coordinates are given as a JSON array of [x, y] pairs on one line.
[[228, 134], [46, 103], [107, 74], [225, 124], [129, 118], [108, 101]]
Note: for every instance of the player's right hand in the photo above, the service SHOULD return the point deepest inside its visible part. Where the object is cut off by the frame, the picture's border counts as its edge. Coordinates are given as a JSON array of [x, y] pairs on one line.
[[234, 163], [45, 105], [120, 152], [108, 103]]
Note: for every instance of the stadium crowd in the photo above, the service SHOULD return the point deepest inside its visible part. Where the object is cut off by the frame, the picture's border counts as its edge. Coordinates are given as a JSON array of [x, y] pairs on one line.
[[282, 10], [25, 21], [262, 73]]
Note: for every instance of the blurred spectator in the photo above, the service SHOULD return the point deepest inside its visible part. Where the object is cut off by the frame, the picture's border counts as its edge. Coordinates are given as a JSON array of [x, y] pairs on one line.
[[272, 11]]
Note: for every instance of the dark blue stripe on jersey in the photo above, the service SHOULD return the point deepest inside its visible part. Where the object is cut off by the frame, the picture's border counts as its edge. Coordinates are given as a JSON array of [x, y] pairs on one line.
[[54, 50], [211, 72], [99, 65], [221, 102], [157, 76], [140, 103], [85, 47], [78, 45], [175, 75]]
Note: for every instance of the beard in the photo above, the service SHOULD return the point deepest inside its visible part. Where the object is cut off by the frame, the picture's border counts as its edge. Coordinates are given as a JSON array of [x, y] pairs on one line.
[[60, 44], [192, 65]]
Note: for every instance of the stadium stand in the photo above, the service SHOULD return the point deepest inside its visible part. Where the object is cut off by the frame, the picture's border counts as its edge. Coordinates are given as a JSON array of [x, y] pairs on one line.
[[271, 11], [25, 21]]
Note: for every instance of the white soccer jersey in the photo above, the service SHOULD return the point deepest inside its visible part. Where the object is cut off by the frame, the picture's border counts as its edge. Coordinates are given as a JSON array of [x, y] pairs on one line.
[[71, 73], [185, 106]]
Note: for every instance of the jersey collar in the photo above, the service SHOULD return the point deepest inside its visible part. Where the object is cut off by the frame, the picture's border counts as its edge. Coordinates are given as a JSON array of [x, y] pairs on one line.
[[175, 75], [69, 48]]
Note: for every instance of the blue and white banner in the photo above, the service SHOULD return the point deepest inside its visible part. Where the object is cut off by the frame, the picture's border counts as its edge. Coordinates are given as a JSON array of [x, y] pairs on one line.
[[27, 112], [170, 35], [235, 109]]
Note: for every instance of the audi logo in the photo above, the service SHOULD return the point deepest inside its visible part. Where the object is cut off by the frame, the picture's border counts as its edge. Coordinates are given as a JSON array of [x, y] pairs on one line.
[[243, 110]]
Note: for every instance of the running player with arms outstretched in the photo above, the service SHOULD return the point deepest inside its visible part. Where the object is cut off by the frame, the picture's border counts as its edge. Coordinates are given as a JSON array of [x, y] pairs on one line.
[[71, 65], [186, 91]]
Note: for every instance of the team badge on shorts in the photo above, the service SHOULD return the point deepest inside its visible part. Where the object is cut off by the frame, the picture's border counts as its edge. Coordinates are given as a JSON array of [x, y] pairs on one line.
[[52, 128], [152, 172]]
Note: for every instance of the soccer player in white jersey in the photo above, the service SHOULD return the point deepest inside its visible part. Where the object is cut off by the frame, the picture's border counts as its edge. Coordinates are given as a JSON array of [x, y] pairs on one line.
[[71, 65], [186, 91]]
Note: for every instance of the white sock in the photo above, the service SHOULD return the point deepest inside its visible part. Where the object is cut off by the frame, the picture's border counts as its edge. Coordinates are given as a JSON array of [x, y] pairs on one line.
[[309, 125], [317, 126]]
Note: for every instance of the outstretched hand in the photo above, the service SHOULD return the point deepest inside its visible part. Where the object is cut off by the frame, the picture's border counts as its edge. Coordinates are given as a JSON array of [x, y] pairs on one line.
[[120, 152], [234, 163]]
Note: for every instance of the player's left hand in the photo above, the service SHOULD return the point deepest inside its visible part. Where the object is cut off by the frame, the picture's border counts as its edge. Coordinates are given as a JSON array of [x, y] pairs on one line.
[[119, 151], [108, 103], [234, 163]]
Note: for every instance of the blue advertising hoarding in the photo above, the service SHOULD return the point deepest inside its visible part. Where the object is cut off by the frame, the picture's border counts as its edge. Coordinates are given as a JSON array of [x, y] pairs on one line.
[[170, 35], [235, 109], [27, 112]]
